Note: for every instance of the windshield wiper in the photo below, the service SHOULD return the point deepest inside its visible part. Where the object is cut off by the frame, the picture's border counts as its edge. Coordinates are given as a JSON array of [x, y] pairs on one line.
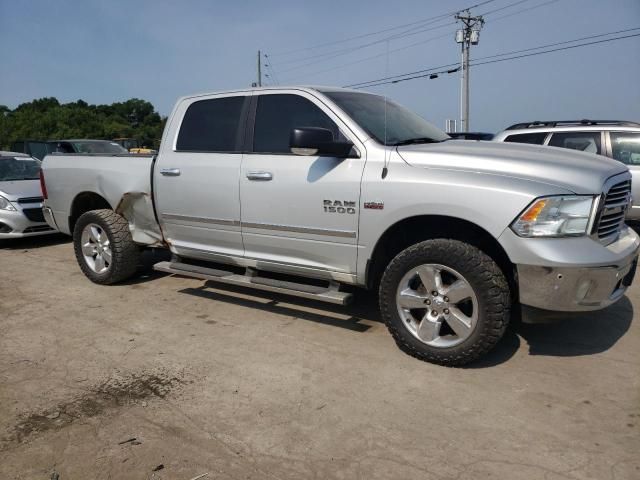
[[414, 141]]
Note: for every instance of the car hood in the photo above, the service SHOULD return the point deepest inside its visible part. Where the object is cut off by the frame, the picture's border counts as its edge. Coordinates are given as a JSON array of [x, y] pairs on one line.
[[579, 172], [16, 189]]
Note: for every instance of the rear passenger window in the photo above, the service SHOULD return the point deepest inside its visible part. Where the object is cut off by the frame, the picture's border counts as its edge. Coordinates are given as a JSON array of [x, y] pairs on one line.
[[536, 138], [584, 141], [212, 126], [278, 114], [625, 147]]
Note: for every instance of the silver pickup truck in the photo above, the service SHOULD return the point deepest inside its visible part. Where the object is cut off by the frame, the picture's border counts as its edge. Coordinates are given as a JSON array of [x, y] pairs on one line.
[[304, 191]]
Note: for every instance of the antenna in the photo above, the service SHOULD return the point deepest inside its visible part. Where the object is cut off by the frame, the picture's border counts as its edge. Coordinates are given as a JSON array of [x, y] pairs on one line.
[[385, 169]]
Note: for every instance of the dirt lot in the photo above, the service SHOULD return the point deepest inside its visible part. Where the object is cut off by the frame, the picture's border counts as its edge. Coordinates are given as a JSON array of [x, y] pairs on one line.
[[171, 378]]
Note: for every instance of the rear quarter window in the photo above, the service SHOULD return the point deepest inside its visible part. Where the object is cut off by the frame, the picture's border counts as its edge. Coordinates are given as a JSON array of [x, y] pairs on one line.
[[212, 125], [533, 138]]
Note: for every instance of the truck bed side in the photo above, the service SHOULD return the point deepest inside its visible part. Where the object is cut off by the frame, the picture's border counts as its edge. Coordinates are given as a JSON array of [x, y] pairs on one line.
[[121, 181]]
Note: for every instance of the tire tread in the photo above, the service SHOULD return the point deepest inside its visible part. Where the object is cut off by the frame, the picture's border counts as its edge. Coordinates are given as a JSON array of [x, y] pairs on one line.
[[125, 253], [495, 292]]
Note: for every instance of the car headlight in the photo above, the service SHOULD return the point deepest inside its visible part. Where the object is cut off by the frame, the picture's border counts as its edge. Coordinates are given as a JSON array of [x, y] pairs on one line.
[[560, 216], [6, 205]]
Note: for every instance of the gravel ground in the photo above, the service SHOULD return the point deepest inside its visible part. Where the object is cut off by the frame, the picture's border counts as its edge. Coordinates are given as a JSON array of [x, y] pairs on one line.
[[169, 378]]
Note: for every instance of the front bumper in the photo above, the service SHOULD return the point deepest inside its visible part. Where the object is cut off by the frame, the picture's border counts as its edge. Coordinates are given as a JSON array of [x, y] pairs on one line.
[[573, 274], [14, 224]]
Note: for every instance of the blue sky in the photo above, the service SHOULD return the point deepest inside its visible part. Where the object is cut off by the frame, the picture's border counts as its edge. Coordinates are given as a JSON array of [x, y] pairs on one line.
[[106, 51]]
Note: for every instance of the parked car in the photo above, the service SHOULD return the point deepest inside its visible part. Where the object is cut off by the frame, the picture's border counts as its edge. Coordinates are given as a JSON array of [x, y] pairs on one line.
[[88, 146], [133, 145], [20, 197], [471, 135], [336, 187], [35, 148], [615, 139]]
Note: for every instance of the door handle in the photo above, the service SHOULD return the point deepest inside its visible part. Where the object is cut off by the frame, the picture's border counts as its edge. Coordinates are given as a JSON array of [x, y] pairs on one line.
[[170, 172], [260, 176]]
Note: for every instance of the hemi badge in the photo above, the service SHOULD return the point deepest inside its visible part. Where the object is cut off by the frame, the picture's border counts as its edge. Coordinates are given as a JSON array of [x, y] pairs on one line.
[[374, 205]]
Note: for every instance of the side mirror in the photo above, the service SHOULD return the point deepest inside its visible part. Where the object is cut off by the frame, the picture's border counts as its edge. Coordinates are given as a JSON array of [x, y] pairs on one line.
[[318, 141]]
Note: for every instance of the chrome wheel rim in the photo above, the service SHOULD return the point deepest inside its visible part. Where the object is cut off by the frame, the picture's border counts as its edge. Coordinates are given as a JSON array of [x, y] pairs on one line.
[[96, 248], [437, 305]]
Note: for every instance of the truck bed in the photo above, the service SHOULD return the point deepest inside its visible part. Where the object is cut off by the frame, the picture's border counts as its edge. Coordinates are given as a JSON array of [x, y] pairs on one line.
[[122, 180]]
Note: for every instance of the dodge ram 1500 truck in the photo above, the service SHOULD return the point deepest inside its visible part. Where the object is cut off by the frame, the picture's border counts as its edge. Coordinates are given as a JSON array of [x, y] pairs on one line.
[[305, 190]]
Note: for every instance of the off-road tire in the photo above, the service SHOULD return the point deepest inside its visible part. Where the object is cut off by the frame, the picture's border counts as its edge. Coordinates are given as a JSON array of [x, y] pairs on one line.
[[486, 279], [125, 253]]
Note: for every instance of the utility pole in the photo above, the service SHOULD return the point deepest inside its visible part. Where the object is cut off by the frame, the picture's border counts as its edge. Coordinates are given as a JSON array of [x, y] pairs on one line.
[[467, 36], [259, 69]]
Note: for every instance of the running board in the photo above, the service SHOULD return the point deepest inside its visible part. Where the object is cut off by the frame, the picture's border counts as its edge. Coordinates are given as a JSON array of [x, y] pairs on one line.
[[330, 294]]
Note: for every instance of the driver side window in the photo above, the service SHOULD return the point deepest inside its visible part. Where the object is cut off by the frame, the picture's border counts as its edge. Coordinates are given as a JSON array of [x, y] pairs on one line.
[[278, 114]]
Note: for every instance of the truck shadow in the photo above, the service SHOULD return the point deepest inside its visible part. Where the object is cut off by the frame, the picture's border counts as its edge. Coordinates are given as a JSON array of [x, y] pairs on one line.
[[30, 243], [148, 259], [555, 335], [563, 335], [353, 317]]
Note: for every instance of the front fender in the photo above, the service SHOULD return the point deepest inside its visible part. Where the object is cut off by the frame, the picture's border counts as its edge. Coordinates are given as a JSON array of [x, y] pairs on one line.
[[489, 201]]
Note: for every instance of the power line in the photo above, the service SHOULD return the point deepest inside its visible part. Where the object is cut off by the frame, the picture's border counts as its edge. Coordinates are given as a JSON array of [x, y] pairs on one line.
[[504, 8], [355, 62], [337, 53], [412, 31], [370, 34], [476, 63], [493, 56], [412, 44], [523, 10], [558, 49], [558, 43]]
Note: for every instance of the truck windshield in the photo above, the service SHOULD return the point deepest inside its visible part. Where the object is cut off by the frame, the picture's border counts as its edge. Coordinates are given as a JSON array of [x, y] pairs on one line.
[[386, 121], [19, 168]]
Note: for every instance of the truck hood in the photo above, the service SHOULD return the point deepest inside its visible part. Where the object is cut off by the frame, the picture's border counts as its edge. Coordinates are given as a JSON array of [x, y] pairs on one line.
[[579, 172], [16, 189]]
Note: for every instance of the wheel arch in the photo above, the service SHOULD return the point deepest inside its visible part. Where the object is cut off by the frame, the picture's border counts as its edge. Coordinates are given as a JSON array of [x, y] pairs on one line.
[[85, 202], [411, 230]]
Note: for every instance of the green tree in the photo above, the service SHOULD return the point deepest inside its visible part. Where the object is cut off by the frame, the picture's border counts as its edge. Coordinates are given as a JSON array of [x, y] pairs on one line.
[[48, 119]]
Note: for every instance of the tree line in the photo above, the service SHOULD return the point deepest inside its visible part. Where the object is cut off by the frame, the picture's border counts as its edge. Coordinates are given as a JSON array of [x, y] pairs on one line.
[[48, 119]]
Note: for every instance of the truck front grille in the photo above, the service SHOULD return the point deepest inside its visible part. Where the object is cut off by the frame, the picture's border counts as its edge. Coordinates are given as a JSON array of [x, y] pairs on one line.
[[614, 209], [34, 214]]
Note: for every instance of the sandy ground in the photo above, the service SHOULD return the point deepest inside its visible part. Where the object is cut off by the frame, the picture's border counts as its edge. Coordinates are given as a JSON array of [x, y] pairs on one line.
[[170, 378]]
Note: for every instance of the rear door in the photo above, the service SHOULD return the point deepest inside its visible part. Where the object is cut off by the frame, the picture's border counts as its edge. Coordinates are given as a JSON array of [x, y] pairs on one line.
[[299, 211], [196, 176]]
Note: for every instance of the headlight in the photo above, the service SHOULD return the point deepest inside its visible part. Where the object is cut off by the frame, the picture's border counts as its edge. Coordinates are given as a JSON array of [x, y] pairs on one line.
[[6, 205], [555, 217]]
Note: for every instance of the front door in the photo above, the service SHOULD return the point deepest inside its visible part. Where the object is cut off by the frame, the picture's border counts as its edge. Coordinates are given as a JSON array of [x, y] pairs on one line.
[[196, 177], [299, 211]]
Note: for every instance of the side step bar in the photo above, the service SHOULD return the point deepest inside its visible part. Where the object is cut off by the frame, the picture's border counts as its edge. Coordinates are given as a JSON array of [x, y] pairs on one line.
[[330, 294]]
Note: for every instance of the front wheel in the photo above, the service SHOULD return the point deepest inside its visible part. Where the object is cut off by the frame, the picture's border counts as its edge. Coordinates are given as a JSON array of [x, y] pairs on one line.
[[445, 301], [104, 247]]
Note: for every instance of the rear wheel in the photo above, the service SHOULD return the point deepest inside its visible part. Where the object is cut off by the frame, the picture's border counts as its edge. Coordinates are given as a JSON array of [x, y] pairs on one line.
[[445, 301], [104, 247]]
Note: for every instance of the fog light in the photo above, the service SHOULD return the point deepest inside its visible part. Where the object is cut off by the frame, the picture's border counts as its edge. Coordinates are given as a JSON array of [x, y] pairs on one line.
[[4, 228]]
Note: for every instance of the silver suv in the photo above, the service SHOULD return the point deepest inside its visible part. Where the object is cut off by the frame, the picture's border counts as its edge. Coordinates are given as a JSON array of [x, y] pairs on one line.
[[615, 139]]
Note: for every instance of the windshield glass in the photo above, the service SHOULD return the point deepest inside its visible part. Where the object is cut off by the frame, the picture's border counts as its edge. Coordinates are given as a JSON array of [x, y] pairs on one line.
[[402, 125], [98, 147], [19, 168]]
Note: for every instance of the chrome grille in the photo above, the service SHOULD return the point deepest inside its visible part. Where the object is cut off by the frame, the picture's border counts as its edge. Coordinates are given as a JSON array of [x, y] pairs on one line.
[[614, 209]]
